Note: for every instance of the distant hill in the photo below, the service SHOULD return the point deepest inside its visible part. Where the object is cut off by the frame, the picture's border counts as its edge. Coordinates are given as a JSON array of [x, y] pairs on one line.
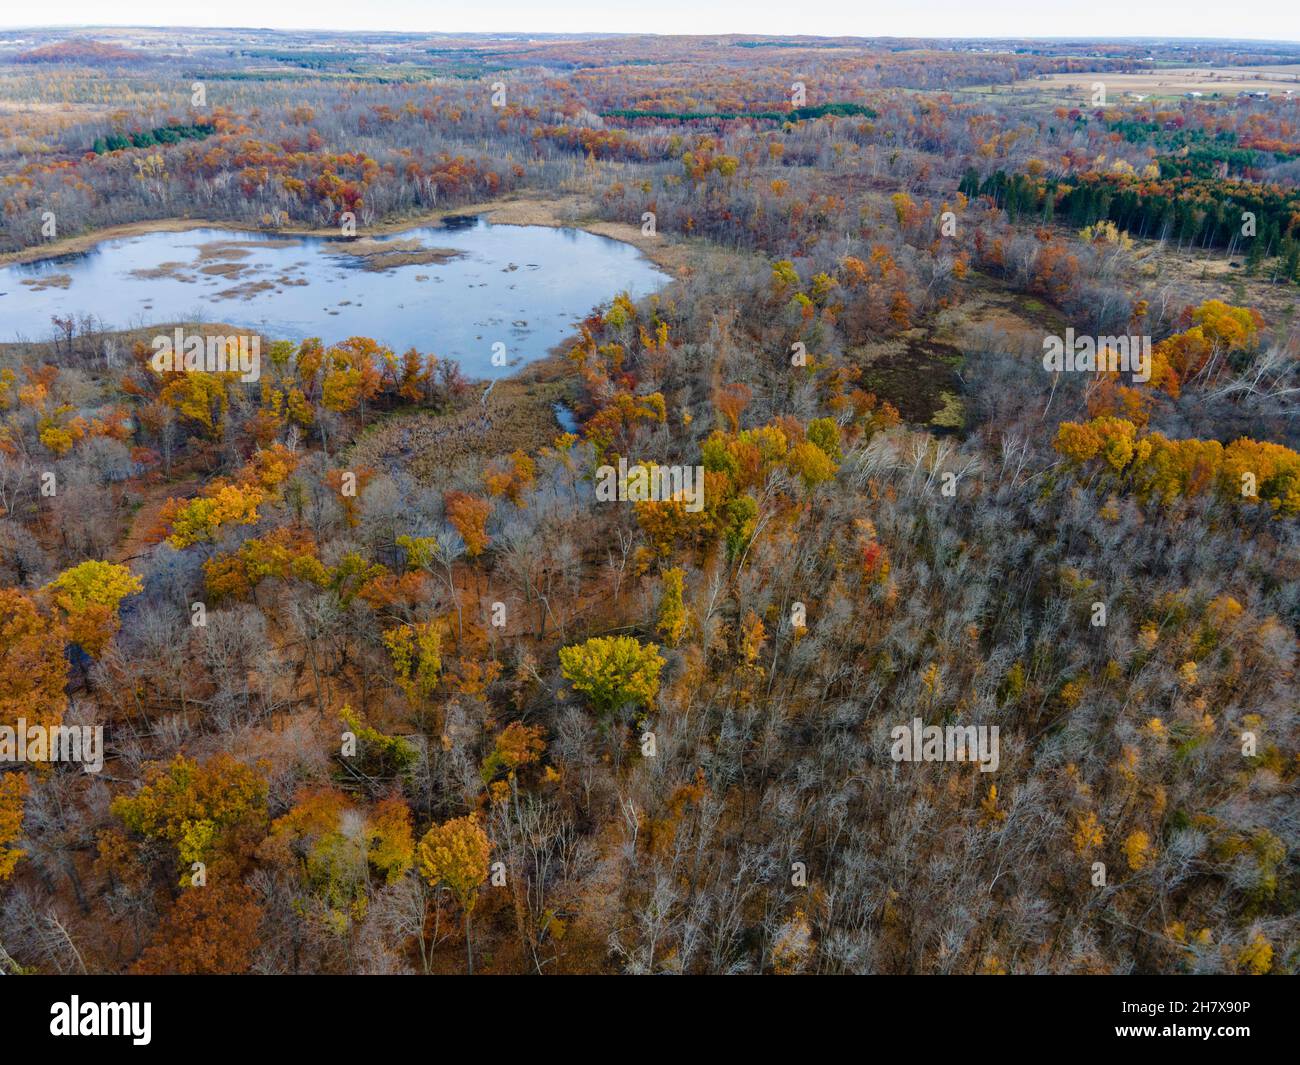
[[79, 51]]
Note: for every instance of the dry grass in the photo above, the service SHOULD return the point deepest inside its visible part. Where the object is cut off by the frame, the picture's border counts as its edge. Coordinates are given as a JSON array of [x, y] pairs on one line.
[[1196, 276], [227, 249], [376, 255], [1166, 82], [519, 414], [40, 284]]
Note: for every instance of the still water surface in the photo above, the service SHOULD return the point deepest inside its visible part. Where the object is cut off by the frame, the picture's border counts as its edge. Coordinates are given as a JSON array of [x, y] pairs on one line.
[[521, 286]]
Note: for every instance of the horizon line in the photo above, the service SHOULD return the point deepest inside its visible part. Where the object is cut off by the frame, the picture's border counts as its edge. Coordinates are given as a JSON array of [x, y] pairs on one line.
[[647, 33]]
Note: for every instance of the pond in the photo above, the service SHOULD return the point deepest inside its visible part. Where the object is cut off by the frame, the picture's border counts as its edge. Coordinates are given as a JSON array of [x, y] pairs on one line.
[[490, 296]]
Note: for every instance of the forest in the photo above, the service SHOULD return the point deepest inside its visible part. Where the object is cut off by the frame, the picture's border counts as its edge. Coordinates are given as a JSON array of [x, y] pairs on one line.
[[386, 684]]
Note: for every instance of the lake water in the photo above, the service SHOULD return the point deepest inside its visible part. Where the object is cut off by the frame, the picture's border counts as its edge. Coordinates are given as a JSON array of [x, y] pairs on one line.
[[524, 287]]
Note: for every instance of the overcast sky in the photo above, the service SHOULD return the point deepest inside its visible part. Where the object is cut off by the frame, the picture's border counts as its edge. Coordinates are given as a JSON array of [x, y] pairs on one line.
[[1254, 19]]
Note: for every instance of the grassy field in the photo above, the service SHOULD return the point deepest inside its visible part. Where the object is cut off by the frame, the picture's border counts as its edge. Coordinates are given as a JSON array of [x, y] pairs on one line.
[[1076, 89]]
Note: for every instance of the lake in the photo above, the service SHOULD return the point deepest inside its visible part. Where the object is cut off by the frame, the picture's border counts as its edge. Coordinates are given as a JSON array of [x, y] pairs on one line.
[[457, 290]]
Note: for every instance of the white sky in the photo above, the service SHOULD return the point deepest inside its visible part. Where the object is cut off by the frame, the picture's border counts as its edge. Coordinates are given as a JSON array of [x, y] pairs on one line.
[[1244, 19]]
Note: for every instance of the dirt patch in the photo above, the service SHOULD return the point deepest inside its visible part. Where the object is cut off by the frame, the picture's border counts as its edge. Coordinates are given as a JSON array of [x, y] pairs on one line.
[[138, 540], [916, 375], [990, 306]]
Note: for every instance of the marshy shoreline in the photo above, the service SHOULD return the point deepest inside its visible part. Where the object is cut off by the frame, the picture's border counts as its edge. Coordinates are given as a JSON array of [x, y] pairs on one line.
[[552, 212]]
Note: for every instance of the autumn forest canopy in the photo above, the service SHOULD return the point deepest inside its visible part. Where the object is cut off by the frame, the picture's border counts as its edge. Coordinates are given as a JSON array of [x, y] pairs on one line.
[[911, 584]]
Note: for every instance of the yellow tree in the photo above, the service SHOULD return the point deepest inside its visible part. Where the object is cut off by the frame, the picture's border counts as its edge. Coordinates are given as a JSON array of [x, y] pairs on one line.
[[455, 855], [613, 671], [33, 669], [468, 515], [811, 463], [337, 849], [352, 373], [206, 812], [202, 398], [517, 746], [191, 521], [13, 786], [1137, 850], [88, 597], [512, 477], [416, 651], [1256, 957], [33, 675], [672, 612]]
